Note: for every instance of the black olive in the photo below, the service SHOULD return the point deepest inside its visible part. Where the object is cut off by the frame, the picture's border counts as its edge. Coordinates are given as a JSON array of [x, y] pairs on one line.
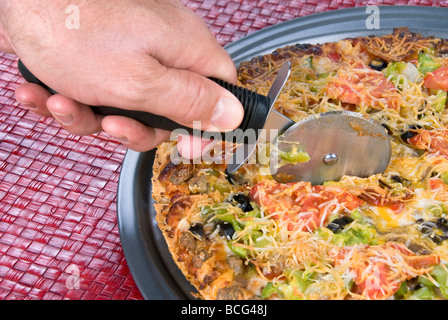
[[303, 46], [240, 200], [235, 179], [338, 224], [410, 133], [378, 64], [432, 229], [259, 59], [442, 221], [388, 129], [441, 225], [226, 230], [197, 229], [397, 179], [384, 184], [414, 284]]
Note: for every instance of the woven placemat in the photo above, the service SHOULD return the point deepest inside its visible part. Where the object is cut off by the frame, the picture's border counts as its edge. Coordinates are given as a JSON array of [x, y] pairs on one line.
[[59, 236]]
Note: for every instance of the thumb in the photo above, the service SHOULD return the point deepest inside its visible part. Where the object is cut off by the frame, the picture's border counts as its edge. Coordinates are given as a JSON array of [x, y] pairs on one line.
[[186, 96]]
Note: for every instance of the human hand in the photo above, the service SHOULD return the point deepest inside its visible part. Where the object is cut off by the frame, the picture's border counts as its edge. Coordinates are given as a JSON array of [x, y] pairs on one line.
[[144, 55]]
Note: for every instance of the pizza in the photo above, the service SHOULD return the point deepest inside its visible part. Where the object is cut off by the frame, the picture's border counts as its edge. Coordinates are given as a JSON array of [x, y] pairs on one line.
[[380, 237]]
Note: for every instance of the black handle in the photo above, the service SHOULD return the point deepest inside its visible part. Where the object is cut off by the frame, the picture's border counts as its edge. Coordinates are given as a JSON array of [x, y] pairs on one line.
[[256, 108]]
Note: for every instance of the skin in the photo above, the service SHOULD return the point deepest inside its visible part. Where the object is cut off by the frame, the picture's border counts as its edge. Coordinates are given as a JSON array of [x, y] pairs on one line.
[[149, 55]]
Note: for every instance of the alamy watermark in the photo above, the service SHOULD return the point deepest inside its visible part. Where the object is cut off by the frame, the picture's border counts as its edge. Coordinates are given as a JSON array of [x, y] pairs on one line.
[[373, 20], [73, 280], [73, 21]]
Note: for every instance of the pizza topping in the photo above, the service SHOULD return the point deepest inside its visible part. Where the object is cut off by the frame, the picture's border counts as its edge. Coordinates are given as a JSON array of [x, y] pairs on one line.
[[295, 156], [410, 133], [398, 71], [348, 231], [374, 267], [180, 175], [436, 230], [398, 46], [197, 229], [241, 201], [378, 64], [434, 141], [292, 289], [338, 224], [385, 197], [200, 183], [300, 205], [438, 100], [357, 84], [436, 282], [427, 63], [437, 79]]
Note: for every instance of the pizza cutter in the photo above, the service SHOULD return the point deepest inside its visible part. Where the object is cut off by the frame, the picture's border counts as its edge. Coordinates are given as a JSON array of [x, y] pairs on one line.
[[327, 146], [323, 147]]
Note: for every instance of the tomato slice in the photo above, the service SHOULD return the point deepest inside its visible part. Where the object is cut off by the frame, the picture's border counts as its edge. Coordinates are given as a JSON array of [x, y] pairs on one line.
[[300, 205], [374, 267], [360, 85], [334, 56], [438, 79], [435, 141]]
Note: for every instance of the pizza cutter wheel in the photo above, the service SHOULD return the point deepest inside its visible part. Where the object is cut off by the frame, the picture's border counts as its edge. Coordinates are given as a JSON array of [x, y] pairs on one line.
[[331, 145]]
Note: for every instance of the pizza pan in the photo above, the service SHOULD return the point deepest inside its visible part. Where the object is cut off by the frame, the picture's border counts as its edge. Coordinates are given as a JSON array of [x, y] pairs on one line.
[[147, 255]]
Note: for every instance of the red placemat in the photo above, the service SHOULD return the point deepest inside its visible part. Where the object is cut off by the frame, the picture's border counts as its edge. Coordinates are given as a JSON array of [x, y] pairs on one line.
[[58, 221]]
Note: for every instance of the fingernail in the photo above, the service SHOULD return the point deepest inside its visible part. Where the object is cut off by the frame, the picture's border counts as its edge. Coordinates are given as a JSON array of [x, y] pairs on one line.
[[65, 119], [227, 114]]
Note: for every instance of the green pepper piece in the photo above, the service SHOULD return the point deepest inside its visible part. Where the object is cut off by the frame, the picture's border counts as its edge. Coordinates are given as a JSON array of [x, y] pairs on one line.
[[440, 274], [268, 291], [206, 210], [324, 233], [295, 155], [230, 218], [213, 172], [261, 243], [308, 62], [436, 210], [402, 291], [444, 177], [255, 212], [439, 101], [356, 215], [426, 63], [302, 280], [239, 251], [395, 68], [222, 187], [424, 293], [425, 281]]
